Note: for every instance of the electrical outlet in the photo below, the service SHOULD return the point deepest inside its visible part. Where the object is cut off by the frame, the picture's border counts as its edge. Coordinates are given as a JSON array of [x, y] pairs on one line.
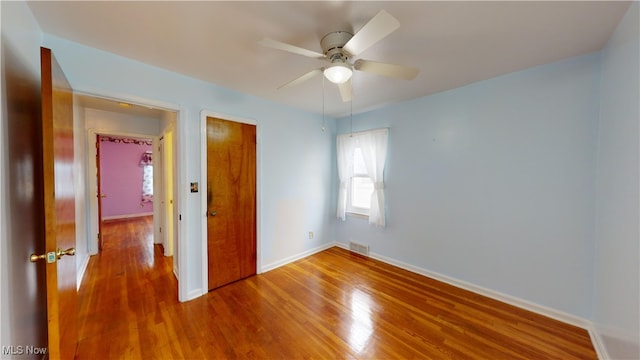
[[310, 235]]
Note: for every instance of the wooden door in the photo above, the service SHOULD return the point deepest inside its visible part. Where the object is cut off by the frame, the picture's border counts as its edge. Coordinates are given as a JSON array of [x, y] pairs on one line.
[[59, 208], [231, 199], [21, 202]]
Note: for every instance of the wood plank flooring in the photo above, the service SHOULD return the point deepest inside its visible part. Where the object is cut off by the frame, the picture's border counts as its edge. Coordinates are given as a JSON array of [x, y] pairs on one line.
[[331, 305]]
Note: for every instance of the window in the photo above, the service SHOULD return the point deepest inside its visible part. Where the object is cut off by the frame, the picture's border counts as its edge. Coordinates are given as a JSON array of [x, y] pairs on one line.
[[147, 176], [361, 159], [360, 186]]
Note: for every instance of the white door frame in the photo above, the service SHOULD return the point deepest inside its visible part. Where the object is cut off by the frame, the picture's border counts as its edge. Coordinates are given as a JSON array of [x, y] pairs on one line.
[[180, 144], [203, 188], [168, 194]]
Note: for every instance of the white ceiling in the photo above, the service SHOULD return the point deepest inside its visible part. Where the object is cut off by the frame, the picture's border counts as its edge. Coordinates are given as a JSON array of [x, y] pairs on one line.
[[452, 43]]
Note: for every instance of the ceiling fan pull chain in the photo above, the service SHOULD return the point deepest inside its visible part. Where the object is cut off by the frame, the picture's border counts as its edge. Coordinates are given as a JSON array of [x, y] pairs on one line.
[[323, 103], [351, 109]]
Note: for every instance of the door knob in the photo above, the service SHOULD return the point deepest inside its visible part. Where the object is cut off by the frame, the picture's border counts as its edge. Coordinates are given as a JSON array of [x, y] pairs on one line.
[[50, 256], [213, 213], [103, 195], [70, 252]]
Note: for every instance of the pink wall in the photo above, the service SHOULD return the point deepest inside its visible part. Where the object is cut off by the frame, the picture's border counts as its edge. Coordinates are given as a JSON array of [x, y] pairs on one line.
[[121, 179]]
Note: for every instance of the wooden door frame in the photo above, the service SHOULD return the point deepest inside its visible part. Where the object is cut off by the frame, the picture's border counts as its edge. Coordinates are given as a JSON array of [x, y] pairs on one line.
[[203, 188], [98, 198], [92, 180]]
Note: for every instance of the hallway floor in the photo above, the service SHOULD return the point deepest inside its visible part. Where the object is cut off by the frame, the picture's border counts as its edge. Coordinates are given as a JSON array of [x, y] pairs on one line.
[[123, 291]]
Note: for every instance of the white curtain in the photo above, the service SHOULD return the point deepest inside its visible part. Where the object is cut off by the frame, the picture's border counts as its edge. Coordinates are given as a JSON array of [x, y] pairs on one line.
[[147, 183], [374, 152], [373, 145], [345, 147], [147, 176]]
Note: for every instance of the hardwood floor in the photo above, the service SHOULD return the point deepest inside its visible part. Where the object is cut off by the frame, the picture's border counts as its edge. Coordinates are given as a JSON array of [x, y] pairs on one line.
[[332, 305]]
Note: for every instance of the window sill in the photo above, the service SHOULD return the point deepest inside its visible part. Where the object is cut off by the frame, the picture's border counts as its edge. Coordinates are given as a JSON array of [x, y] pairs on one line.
[[358, 215]]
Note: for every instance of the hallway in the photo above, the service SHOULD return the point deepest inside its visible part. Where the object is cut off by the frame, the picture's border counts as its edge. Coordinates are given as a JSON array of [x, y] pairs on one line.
[[125, 291]]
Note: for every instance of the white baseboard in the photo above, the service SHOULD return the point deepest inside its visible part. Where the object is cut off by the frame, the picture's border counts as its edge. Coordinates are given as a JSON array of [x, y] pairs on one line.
[[194, 294], [128, 216], [293, 258], [81, 271], [598, 343], [511, 300], [612, 342]]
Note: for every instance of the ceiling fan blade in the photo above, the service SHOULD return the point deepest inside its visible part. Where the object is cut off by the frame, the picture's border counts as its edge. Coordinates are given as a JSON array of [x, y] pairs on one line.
[[274, 44], [375, 30], [301, 79], [389, 70], [345, 90]]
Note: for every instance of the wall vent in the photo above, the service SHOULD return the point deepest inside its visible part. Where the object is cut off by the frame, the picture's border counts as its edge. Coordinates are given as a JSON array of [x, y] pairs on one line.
[[359, 248]]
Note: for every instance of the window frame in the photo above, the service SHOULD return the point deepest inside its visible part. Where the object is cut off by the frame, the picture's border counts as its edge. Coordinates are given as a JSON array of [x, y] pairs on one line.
[[374, 144], [350, 209]]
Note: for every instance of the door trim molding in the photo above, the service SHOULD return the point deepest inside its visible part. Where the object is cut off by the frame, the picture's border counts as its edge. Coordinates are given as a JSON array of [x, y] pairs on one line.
[[203, 189]]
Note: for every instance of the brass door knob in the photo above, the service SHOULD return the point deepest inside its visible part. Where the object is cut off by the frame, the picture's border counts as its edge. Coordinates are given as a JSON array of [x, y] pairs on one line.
[[50, 256], [70, 252], [34, 257]]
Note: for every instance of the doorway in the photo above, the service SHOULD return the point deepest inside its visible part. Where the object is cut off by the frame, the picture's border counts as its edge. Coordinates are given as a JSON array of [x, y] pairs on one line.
[[126, 170], [119, 120]]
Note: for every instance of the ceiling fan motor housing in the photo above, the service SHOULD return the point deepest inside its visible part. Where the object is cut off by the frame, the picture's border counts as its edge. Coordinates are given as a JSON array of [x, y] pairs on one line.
[[332, 44]]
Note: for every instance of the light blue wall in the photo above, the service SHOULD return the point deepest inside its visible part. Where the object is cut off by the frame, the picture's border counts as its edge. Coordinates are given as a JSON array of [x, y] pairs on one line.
[[617, 269], [295, 155], [493, 184]]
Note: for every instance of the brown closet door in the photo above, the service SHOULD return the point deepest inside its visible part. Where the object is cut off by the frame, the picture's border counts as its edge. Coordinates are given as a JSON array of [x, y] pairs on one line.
[[231, 199]]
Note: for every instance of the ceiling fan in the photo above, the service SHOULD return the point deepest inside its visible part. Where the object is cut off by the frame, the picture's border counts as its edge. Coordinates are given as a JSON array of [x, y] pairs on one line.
[[339, 47]]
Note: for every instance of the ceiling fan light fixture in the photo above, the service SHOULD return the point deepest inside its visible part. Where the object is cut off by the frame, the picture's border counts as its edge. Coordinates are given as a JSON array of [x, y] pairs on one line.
[[338, 74]]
